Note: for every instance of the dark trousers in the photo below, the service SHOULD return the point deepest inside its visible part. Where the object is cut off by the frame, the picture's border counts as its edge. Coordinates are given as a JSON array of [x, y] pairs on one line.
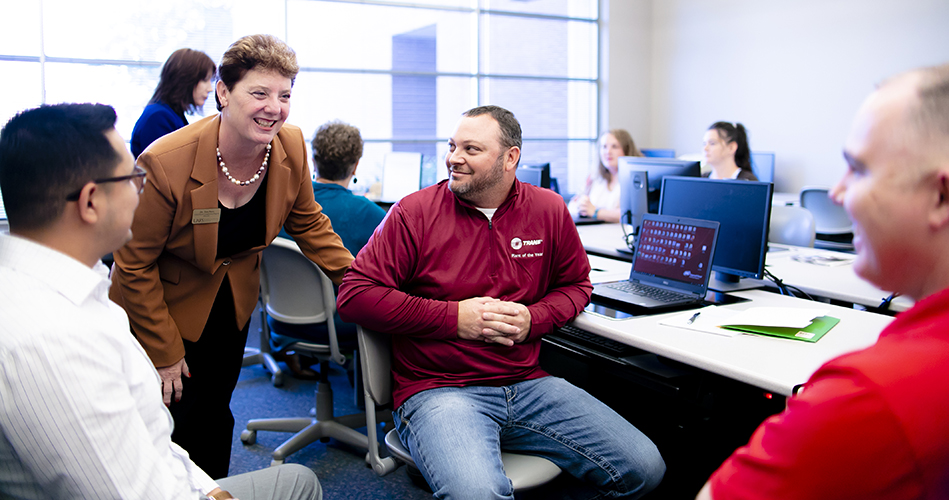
[[204, 424]]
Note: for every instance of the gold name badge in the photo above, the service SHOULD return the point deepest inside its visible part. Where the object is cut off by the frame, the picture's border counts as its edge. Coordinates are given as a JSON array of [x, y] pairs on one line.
[[206, 216]]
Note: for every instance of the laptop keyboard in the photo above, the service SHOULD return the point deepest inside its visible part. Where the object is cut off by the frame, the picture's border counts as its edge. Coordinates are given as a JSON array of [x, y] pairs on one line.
[[646, 291], [583, 337]]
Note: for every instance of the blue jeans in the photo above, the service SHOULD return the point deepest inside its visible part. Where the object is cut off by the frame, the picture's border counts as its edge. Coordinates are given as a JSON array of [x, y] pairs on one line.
[[455, 435]]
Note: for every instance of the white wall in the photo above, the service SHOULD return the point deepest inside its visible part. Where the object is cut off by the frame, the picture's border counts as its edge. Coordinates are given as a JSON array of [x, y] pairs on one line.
[[626, 66], [792, 71]]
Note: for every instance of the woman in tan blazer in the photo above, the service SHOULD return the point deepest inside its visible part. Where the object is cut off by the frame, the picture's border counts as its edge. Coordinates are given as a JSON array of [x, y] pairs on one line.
[[218, 192]]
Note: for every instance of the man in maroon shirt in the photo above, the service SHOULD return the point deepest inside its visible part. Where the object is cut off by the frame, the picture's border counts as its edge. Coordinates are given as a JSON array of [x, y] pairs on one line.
[[468, 276], [873, 424]]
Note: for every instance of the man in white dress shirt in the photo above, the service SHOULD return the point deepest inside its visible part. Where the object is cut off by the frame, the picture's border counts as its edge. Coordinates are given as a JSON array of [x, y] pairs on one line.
[[81, 413]]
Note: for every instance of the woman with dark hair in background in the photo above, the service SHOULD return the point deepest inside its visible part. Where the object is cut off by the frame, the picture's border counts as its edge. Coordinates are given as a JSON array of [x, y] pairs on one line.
[[727, 152], [601, 197], [219, 190], [184, 85]]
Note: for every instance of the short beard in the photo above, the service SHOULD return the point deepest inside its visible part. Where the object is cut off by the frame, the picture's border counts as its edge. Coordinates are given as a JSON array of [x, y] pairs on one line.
[[476, 187]]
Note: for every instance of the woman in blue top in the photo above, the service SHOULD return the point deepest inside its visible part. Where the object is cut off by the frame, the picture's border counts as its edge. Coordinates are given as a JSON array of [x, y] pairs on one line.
[[183, 86]]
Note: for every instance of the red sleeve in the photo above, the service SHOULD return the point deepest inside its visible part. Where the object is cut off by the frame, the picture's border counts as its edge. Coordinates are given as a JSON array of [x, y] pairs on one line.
[[570, 287], [838, 439], [370, 294]]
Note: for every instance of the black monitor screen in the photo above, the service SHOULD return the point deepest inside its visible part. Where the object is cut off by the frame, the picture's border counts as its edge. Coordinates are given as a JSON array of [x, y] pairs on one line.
[[633, 198], [656, 169], [743, 209], [538, 175]]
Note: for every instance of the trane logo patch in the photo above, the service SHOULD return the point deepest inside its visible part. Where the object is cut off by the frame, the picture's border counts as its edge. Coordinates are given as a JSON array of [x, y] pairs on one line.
[[517, 243]]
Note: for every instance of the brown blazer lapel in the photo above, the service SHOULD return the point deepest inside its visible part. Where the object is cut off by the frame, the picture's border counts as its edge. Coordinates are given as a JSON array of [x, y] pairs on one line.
[[278, 189], [206, 195]]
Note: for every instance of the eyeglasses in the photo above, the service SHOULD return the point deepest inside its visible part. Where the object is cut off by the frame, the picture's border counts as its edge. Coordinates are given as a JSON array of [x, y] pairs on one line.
[[137, 177]]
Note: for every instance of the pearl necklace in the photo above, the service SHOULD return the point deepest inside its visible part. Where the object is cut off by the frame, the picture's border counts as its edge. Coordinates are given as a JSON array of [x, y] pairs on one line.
[[250, 181]]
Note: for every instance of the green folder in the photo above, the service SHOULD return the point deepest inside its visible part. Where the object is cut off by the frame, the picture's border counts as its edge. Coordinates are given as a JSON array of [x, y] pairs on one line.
[[810, 333]]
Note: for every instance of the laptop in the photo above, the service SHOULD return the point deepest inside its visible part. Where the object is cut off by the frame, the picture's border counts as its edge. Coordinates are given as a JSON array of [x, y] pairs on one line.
[[671, 265]]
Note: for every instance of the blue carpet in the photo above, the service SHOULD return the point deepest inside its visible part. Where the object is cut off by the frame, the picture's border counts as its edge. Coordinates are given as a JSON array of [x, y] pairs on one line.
[[342, 469]]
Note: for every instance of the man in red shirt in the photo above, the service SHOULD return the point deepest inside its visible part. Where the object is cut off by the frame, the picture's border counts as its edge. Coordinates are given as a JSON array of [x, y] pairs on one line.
[[875, 423], [468, 276]]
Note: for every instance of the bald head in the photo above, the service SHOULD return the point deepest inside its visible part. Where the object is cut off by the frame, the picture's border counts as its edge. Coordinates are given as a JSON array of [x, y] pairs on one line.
[[923, 95], [896, 189]]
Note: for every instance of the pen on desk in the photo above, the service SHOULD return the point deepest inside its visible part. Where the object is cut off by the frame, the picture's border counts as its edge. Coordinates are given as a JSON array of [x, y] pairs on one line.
[[692, 319]]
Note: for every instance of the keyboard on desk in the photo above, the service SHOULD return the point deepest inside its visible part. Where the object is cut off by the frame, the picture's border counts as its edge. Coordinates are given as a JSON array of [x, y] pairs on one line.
[[647, 291], [592, 340]]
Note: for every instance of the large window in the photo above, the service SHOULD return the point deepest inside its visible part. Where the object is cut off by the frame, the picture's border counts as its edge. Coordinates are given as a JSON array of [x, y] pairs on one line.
[[400, 71]]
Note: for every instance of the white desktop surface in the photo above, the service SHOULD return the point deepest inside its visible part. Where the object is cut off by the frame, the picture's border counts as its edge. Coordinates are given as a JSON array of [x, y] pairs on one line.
[[605, 238], [833, 282], [604, 269], [773, 364], [837, 282], [785, 198]]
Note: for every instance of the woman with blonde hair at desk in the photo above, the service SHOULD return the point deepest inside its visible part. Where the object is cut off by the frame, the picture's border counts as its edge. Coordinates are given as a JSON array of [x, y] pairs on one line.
[[601, 197], [726, 150], [218, 192]]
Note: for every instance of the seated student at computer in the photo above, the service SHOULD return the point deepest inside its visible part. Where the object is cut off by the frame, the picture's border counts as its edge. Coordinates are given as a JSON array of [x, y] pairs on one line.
[[727, 152], [873, 423], [601, 196], [337, 148], [82, 413]]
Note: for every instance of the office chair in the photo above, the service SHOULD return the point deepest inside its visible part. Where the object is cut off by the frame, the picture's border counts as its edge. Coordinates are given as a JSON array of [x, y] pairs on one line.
[[294, 295], [263, 355], [792, 226], [524, 471], [833, 225]]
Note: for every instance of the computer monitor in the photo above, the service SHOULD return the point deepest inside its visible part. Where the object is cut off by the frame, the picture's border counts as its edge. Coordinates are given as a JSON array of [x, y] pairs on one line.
[[538, 175], [743, 208], [633, 198], [658, 152], [762, 164], [656, 169], [401, 175]]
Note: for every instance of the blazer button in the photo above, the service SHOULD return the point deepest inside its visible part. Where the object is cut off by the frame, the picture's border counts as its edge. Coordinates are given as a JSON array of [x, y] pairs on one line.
[[227, 262]]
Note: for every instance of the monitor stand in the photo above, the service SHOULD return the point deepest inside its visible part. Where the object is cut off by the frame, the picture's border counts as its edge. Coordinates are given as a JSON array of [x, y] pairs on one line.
[[727, 282]]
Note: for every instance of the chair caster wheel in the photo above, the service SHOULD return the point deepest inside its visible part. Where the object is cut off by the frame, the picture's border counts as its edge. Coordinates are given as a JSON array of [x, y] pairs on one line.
[[274, 463], [248, 436], [277, 380]]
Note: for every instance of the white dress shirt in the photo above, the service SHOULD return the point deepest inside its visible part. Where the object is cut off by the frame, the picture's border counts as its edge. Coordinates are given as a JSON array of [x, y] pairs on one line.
[[81, 413]]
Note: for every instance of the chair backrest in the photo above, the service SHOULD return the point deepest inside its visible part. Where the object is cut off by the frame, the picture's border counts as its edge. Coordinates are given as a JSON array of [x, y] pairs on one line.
[[792, 226], [294, 290], [376, 364], [829, 217]]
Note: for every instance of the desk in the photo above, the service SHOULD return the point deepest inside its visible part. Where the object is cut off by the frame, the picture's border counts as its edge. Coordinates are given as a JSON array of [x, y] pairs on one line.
[[832, 282], [786, 199], [773, 364], [837, 283], [604, 240]]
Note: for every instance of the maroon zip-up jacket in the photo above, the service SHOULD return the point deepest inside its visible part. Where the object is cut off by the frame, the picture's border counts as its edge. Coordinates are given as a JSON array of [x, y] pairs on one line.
[[433, 250]]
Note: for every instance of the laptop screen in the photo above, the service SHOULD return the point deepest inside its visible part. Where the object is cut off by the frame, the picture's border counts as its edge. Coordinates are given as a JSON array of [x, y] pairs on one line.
[[675, 251]]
